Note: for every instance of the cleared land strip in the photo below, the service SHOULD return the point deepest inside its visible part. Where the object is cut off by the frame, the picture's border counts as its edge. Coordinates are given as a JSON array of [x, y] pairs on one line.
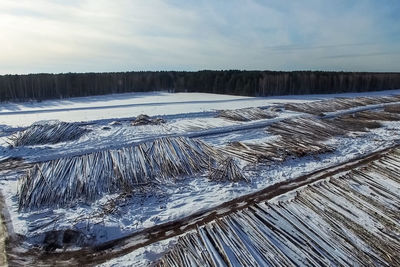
[[99, 254]]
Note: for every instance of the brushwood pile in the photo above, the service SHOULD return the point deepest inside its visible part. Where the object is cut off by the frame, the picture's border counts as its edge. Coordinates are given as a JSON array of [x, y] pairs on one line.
[[48, 132]]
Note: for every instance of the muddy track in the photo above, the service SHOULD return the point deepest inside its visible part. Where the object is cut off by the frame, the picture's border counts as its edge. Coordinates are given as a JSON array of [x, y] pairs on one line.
[[116, 248]]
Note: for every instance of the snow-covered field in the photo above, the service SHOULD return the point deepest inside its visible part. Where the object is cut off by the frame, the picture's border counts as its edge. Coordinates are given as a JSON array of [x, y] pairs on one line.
[[122, 106], [132, 104], [186, 114]]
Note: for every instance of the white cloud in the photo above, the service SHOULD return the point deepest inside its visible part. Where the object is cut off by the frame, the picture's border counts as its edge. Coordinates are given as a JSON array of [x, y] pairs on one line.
[[121, 35]]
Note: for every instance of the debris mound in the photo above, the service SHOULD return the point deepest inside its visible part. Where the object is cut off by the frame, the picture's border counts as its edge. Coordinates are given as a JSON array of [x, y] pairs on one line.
[[144, 119], [305, 128], [86, 178], [392, 108], [276, 151], [322, 215], [332, 105], [355, 124], [315, 130], [297, 137], [302, 136], [246, 114], [48, 132], [376, 115], [227, 170]]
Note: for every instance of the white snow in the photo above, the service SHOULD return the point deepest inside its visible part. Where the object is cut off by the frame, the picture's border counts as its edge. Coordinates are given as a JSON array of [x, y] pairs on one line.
[[142, 256], [151, 206], [133, 104]]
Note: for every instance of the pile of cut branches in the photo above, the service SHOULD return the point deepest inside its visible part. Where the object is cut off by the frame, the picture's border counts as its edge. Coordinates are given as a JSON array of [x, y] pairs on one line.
[[351, 123], [49, 132], [332, 105], [246, 114], [392, 108], [144, 119], [276, 151], [86, 178], [375, 115], [305, 128], [227, 170], [321, 215]]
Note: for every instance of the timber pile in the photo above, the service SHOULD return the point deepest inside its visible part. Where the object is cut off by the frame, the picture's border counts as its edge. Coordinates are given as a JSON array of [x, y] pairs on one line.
[[86, 178], [332, 105], [375, 115], [246, 114], [47, 133], [276, 151], [253, 152], [305, 128], [353, 124], [300, 137], [227, 170], [392, 108], [144, 119], [319, 226], [314, 129], [362, 121]]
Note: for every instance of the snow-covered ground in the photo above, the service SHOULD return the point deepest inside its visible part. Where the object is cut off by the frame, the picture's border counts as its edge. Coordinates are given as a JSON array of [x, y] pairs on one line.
[[206, 195], [187, 114], [132, 104], [121, 106], [151, 206]]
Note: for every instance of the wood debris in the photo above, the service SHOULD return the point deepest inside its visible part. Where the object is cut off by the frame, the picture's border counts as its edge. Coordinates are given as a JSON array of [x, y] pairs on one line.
[[48, 132], [332, 105], [227, 170], [375, 115], [144, 119], [306, 128], [304, 136], [86, 178], [276, 151], [354, 124], [351, 220], [298, 137], [392, 108], [246, 114]]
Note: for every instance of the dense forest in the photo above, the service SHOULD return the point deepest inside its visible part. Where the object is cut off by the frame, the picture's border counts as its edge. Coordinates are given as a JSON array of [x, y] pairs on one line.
[[249, 83]]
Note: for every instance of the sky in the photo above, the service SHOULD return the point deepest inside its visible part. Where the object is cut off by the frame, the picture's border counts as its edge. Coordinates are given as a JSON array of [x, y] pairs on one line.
[[54, 36]]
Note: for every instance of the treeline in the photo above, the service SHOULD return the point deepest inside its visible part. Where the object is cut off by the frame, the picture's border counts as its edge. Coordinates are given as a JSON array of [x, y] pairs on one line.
[[249, 83]]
